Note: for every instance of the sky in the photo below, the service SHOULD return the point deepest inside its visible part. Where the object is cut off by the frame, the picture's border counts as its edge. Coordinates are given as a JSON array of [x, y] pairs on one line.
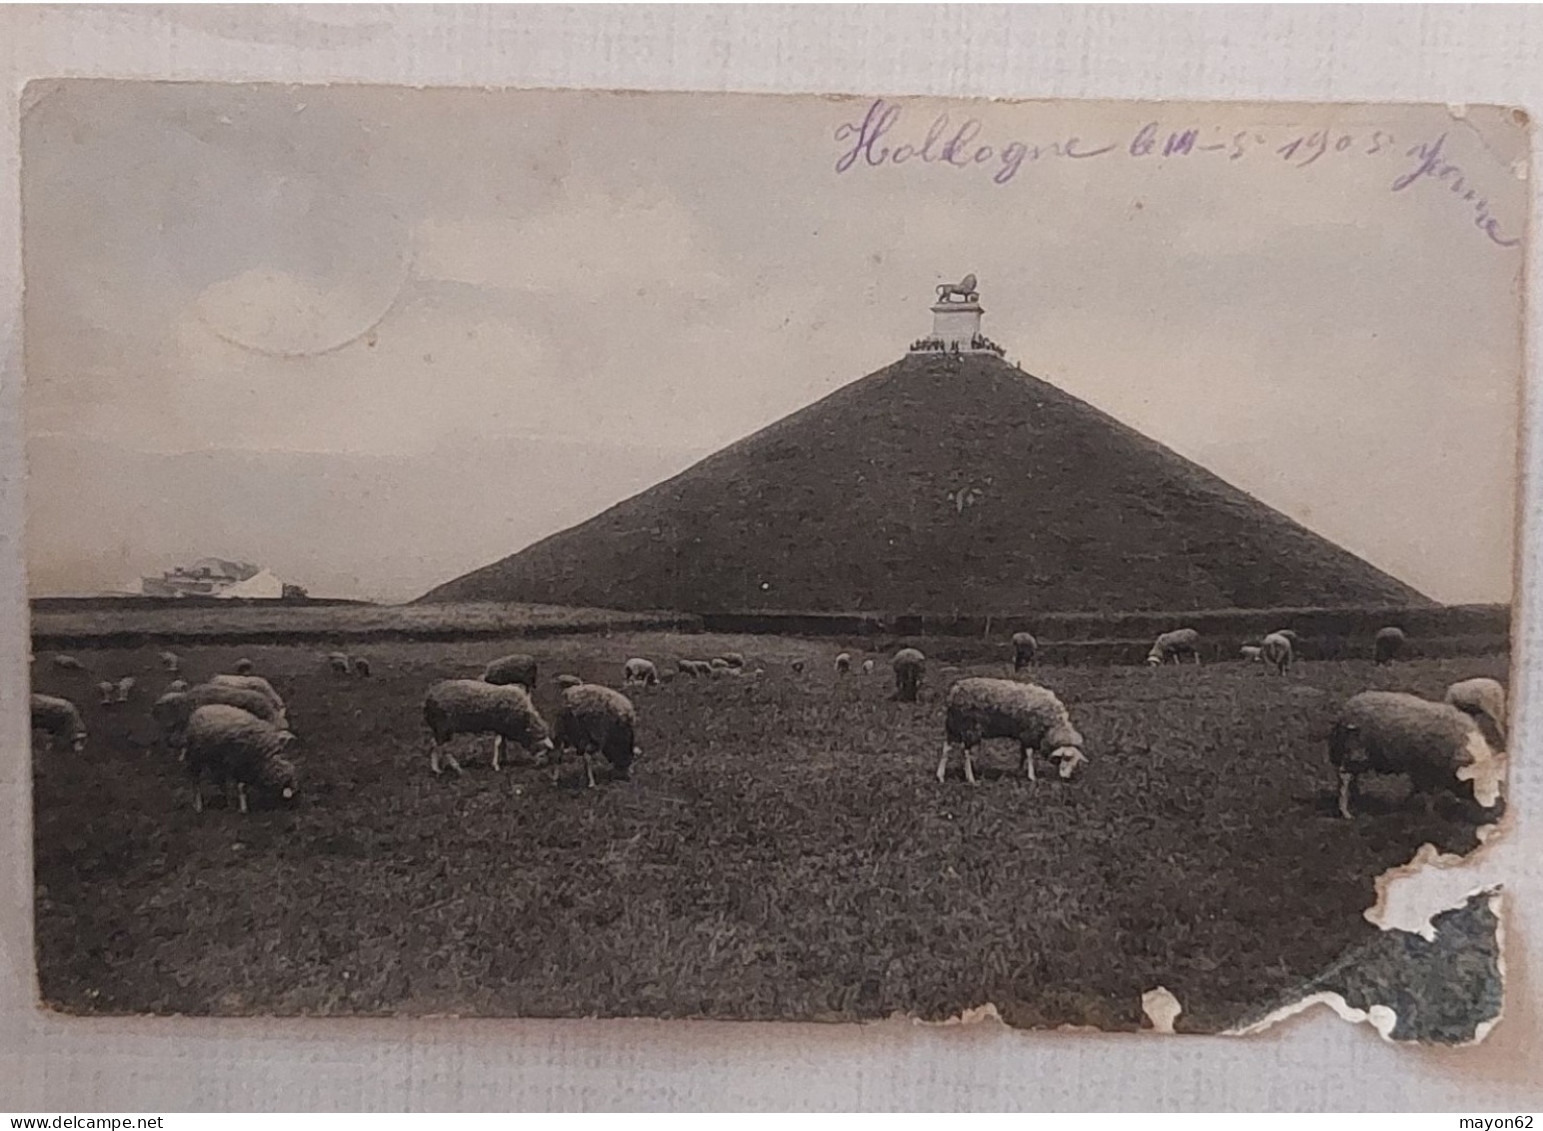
[[374, 337]]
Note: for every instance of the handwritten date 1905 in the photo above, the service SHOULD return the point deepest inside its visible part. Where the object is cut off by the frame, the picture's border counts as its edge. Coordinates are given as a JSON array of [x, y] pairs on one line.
[[876, 142]]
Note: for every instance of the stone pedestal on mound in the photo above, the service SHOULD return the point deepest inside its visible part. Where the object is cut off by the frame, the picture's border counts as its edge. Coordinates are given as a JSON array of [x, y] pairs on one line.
[[956, 325]]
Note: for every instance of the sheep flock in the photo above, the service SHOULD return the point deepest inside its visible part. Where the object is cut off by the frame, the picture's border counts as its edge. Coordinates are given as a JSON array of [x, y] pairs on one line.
[[235, 726]]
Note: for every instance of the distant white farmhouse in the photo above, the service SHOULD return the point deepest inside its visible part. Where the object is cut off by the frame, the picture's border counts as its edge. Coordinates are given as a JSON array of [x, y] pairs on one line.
[[214, 577]]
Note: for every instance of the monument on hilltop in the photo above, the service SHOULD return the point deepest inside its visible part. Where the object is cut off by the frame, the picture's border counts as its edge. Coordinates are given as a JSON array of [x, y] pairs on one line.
[[956, 322]]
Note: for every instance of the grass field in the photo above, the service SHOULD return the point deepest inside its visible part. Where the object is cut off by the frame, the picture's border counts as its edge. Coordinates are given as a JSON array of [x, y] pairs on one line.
[[782, 851], [232, 623]]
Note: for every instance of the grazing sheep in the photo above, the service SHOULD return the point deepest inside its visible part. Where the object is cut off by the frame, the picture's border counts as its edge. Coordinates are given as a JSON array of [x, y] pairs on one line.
[[694, 668], [978, 709], [176, 685], [173, 709], [232, 745], [868, 667], [843, 663], [1173, 645], [251, 683], [474, 706], [720, 667], [1435, 744], [123, 689], [1276, 652], [59, 721], [909, 664], [596, 720], [338, 662], [516, 668], [68, 664], [1024, 649], [797, 666], [638, 671], [1388, 645], [1252, 653], [107, 692], [1484, 699], [567, 680], [245, 667], [733, 659], [170, 662], [265, 705]]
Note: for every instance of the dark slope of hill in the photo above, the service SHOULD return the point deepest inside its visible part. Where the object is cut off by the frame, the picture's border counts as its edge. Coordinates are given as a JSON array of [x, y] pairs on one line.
[[938, 485]]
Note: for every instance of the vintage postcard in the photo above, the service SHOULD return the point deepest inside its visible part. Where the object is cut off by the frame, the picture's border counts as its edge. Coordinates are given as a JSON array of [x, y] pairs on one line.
[[566, 554]]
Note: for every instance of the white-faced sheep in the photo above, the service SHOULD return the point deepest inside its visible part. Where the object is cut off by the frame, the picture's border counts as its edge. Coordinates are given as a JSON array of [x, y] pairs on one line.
[[361, 666], [843, 663], [1032, 716], [338, 662], [638, 672], [251, 683], [1484, 699], [173, 709], [1025, 647], [597, 720], [909, 665], [232, 745], [1252, 653], [515, 668], [68, 664], [476, 707], [693, 668], [59, 721], [1173, 645], [1436, 745], [170, 662], [107, 693], [1388, 645], [244, 666], [567, 680], [1276, 652]]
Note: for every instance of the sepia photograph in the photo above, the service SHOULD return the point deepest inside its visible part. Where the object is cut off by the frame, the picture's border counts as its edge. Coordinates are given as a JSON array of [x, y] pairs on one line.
[[541, 553]]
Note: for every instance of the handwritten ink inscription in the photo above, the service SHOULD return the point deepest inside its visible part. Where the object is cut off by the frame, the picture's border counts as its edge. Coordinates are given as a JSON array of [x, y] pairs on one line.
[[876, 142]]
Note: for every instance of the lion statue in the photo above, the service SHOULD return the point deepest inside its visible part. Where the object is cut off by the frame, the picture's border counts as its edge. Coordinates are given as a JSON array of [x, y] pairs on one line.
[[965, 289]]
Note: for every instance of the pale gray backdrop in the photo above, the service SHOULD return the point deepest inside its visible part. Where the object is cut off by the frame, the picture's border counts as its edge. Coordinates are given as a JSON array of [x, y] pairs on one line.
[[1451, 54]]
